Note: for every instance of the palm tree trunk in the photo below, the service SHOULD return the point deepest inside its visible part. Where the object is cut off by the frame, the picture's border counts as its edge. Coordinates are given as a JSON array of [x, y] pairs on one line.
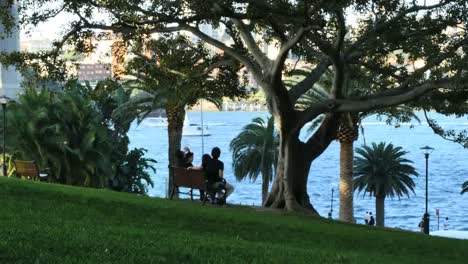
[[175, 123], [380, 210], [266, 175], [346, 182]]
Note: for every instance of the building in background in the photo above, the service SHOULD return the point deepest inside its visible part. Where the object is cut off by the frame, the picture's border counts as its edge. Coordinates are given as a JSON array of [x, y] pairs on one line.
[[36, 45], [94, 71], [10, 79]]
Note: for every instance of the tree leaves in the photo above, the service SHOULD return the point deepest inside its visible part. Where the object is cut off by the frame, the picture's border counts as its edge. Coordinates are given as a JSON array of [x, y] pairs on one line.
[[381, 170], [255, 149], [62, 131]]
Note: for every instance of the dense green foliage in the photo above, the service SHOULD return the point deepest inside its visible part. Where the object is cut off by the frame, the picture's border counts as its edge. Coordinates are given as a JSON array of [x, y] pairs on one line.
[[255, 151], [45, 223], [176, 75], [72, 133], [382, 170], [133, 173], [64, 132]]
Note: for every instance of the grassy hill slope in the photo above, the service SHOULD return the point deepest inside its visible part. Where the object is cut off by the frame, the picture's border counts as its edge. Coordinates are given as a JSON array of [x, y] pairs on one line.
[[46, 223]]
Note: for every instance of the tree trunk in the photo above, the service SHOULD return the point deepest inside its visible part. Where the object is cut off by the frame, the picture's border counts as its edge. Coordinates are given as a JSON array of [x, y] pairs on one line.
[[265, 184], [346, 182], [289, 190], [380, 210], [175, 123]]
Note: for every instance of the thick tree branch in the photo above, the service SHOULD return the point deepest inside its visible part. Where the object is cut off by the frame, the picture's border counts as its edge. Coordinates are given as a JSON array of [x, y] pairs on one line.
[[299, 89], [380, 100], [324, 135], [247, 37], [339, 42], [286, 47], [351, 105], [249, 64]]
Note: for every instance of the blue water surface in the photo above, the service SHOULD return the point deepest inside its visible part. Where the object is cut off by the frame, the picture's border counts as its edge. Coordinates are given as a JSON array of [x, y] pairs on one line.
[[448, 167]]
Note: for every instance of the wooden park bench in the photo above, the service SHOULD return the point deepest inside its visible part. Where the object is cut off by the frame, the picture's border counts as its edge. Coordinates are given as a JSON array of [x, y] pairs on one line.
[[28, 169], [192, 179]]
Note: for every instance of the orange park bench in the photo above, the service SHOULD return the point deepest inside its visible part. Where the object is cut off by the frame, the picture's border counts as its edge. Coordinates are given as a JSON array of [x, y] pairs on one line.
[[192, 179], [28, 169]]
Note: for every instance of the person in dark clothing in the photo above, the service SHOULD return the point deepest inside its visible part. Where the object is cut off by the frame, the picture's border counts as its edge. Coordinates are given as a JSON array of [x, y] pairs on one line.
[[188, 159], [371, 220], [182, 157], [215, 174], [205, 160], [187, 163]]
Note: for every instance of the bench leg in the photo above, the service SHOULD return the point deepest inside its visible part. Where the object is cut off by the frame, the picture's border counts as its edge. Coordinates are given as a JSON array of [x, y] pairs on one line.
[[204, 199], [174, 189]]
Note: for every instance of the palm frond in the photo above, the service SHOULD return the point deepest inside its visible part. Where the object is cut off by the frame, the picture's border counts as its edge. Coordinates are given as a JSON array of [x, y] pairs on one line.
[[464, 187], [254, 150], [382, 170]]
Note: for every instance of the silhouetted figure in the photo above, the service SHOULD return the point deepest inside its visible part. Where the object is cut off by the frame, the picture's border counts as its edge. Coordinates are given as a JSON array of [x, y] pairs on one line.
[[371, 219], [421, 225], [215, 175]]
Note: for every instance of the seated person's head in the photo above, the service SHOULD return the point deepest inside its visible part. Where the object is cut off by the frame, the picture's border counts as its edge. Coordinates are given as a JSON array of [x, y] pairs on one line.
[[205, 159], [179, 154], [215, 153], [188, 157]]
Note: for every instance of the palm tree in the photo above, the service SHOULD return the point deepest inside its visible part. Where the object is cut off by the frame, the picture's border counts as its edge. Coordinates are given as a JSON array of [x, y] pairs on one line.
[[254, 151], [175, 75], [382, 171], [348, 133], [62, 131], [464, 187]]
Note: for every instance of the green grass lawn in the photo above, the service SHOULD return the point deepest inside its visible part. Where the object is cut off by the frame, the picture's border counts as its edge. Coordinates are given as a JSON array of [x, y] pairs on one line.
[[46, 223]]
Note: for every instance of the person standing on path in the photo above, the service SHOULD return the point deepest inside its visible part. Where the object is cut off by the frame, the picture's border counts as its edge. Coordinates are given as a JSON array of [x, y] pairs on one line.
[[366, 218], [445, 224], [421, 225], [371, 219]]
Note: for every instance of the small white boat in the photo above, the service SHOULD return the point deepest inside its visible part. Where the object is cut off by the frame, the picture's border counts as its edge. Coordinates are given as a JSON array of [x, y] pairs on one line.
[[155, 121], [194, 130]]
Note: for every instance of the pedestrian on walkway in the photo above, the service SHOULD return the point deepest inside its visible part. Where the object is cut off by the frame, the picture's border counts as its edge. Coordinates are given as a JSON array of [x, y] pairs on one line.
[[371, 219], [445, 224]]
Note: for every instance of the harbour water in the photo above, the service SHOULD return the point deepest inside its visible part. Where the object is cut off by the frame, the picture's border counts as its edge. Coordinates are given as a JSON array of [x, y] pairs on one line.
[[448, 167]]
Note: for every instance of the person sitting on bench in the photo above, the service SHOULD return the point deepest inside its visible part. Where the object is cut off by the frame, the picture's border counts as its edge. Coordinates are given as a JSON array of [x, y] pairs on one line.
[[215, 175], [205, 160], [188, 159]]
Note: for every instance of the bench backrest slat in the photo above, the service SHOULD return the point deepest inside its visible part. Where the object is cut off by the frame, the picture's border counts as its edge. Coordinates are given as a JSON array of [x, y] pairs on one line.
[[26, 169], [189, 178]]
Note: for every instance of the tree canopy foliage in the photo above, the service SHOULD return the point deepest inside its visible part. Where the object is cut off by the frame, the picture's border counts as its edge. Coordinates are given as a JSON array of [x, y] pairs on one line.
[[381, 170], [71, 133]]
